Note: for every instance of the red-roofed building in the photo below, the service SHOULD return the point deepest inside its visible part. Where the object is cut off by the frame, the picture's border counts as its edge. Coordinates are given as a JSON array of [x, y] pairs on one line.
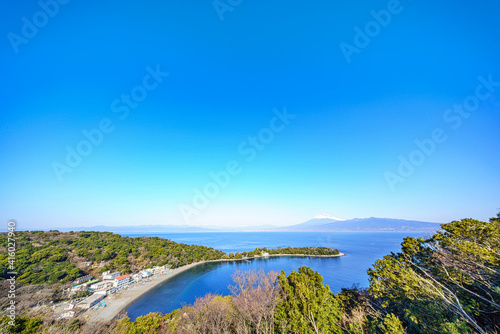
[[122, 281]]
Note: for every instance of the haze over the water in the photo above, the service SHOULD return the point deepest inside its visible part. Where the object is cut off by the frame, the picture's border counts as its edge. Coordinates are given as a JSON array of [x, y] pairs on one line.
[[129, 113]]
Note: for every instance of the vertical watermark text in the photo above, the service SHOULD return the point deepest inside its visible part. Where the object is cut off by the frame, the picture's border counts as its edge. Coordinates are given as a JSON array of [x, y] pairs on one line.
[[11, 273]]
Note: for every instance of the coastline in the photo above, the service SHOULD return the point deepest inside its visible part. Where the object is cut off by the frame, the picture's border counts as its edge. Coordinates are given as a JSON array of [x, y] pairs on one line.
[[125, 298], [304, 255]]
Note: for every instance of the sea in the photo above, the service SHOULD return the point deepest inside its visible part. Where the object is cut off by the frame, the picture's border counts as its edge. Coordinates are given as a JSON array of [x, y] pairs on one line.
[[361, 250]]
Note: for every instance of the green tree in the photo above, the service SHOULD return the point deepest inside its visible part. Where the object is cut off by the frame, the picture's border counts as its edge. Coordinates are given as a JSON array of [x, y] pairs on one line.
[[151, 323], [445, 283], [23, 325], [392, 325], [308, 305]]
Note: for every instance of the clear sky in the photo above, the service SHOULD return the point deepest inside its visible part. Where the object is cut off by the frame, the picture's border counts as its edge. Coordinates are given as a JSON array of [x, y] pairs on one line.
[[299, 107]]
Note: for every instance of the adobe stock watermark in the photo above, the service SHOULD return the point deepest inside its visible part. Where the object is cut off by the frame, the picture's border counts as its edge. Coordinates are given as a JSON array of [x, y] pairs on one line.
[[120, 106], [221, 7], [30, 27], [363, 37], [454, 118], [248, 149], [11, 272]]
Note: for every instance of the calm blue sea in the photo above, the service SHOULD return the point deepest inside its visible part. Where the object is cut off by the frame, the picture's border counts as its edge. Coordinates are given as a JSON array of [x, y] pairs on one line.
[[361, 249]]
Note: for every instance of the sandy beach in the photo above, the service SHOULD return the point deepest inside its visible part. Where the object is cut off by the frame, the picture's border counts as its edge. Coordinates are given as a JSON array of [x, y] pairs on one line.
[[119, 302]]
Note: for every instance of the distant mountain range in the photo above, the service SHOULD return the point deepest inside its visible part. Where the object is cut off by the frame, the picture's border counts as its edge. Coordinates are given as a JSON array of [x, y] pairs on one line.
[[371, 224], [320, 223]]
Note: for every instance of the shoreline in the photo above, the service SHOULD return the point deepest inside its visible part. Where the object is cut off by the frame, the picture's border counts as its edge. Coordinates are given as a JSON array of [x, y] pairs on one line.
[[304, 255], [125, 298], [272, 255]]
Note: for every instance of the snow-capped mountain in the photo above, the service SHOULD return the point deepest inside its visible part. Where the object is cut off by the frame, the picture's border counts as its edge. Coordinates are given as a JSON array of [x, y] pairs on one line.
[[326, 216]]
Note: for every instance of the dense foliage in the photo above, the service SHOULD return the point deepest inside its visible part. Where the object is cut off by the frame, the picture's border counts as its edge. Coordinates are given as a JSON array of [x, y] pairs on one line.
[[449, 283], [324, 251], [52, 257], [311, 251], [307, 305]]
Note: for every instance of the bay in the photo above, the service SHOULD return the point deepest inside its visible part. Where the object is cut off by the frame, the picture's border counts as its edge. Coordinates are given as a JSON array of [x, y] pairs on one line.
[[361, 250]]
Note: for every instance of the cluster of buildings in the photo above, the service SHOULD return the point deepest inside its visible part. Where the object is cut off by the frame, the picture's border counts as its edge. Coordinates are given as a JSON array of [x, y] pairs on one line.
[[111, 283]]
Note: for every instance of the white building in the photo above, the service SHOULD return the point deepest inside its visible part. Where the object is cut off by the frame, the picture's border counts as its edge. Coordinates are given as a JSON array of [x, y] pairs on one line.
[[146, 273], [107, 276], [83, 279], [106, 292], [137, 277], [101, 285], [160, 270], [69, 314], [122, 281], [90, 301]]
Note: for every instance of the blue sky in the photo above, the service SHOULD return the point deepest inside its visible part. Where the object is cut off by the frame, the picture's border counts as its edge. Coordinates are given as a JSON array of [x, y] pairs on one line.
[[351, 117]]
